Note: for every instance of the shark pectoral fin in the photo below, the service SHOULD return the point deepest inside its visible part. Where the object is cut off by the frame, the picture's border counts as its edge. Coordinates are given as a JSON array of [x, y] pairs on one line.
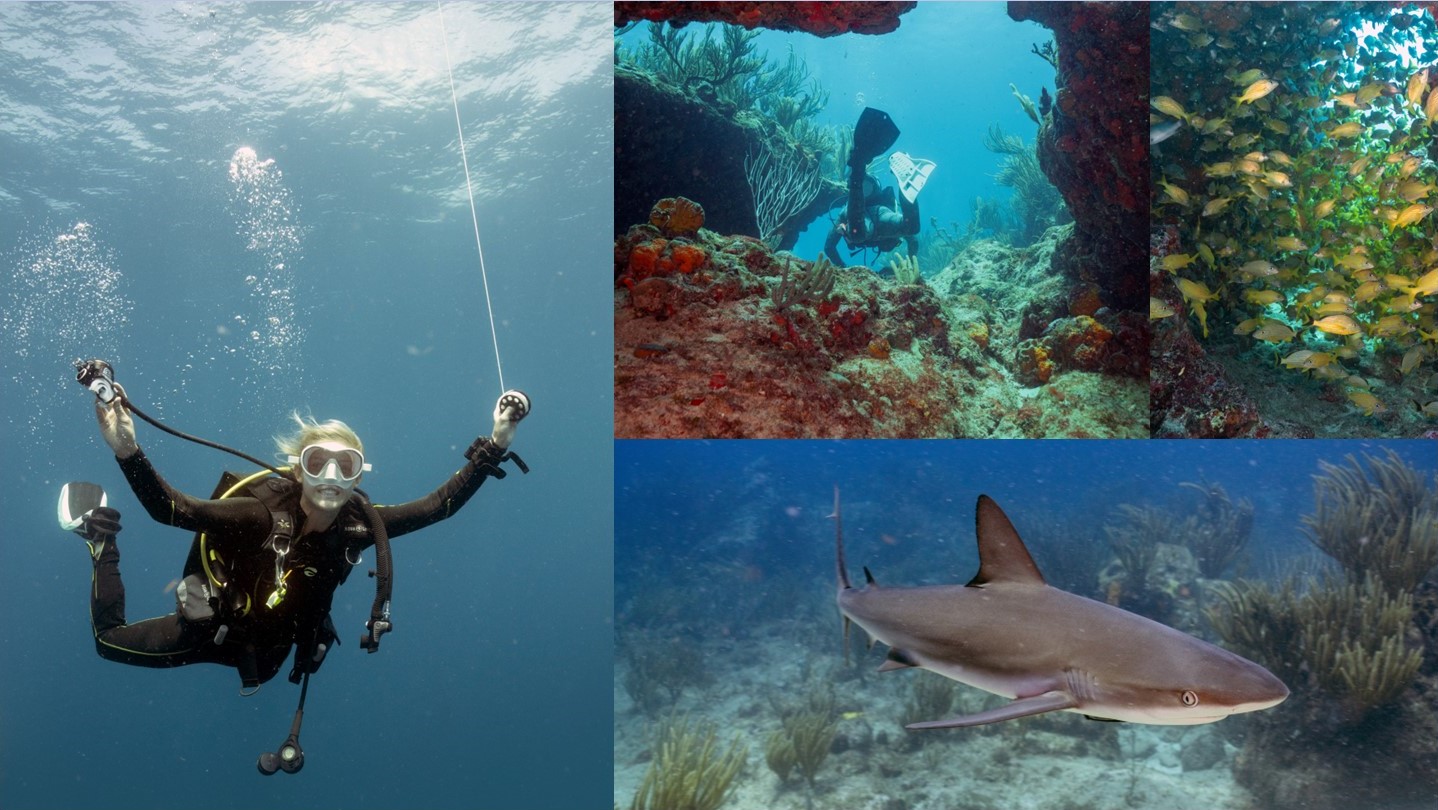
[[898, 659], [1020, 707]]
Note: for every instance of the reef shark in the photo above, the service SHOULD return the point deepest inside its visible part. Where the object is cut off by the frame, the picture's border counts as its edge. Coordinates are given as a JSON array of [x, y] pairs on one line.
[[1010, 633]]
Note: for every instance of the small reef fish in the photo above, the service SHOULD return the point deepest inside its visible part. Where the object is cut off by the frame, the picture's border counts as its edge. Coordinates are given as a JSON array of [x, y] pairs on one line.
[[1290, 243], [1169, 107], [1307, 359], [1262, 298], [1163, 132], [1177, 261], [1249, 76], [1278, 179], [1427, 284], [1368, 92], [1416, 83], [1347, 100], [1411, 359], [1257, 90], [1366, 402], [1174, 193], [1274, 332], [1429, 411], [1338, 325], [1158, 309], [1411, 215], [1258, 268], [1324, 209], [1413, 190], [1216, 206], [1187, 23], [1349, 130], [1196, 293], [1389, 326], [1368, 290], [1357, 167], [1430, 107], [1354, 262]]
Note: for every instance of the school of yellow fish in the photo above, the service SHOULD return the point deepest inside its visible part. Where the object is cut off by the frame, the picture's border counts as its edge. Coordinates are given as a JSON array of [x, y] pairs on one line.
[[1308, 214]]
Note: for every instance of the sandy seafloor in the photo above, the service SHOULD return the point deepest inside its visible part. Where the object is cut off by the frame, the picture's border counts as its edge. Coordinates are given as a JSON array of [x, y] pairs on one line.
[[1052, 762]]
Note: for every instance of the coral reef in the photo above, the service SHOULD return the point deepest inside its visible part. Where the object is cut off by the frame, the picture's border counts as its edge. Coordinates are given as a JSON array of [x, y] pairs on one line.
[[1036, 202], [659, 669], [1092, 146], [688, 771], [1382, 522], [707, 117], [805, 736], [1349, 650], [819, 19], [1293, 180], [720, 336]]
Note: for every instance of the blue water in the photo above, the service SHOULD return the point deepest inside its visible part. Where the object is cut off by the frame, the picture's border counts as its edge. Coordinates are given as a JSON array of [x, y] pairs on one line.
[[339, 279], [765, 503], [943, 77]]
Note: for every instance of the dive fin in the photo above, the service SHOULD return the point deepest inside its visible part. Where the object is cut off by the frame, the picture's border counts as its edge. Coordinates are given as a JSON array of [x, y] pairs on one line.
[[873, 135], [1019, 707], [910, 174], [78, 499]]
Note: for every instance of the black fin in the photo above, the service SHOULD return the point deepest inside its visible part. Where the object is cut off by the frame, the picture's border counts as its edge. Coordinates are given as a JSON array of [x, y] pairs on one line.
[[868, 577], [1101, 719], [77, 499], [873, 135]]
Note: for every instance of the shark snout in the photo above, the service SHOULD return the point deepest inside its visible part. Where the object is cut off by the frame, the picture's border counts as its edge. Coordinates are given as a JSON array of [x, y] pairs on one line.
[[1255, 689]]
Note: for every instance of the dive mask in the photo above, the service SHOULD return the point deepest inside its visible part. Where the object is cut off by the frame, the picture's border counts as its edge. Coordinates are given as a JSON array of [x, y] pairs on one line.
[[330, 463]]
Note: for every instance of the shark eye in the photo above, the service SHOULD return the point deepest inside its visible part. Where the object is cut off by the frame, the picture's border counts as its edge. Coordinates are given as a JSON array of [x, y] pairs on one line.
[[1189, 698]]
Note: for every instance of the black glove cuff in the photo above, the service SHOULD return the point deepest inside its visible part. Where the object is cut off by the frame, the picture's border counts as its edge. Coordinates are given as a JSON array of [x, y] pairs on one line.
[[484, 451], [103, 521]]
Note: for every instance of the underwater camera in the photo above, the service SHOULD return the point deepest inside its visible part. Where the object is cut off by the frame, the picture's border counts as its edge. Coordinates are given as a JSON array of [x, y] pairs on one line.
[[99, 377]]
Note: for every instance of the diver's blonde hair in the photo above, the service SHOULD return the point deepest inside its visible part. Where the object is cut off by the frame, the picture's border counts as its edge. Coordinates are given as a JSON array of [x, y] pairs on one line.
[[311, 431]]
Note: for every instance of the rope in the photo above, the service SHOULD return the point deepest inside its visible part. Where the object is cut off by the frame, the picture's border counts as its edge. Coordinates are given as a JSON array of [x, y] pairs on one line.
[[469, 187]]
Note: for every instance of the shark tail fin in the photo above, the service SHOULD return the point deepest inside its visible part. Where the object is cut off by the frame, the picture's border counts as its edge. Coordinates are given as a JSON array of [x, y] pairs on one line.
[[839, 567]]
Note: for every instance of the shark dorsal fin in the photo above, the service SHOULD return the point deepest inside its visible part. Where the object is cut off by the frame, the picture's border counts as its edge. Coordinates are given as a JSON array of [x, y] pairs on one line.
[[1002, 554]]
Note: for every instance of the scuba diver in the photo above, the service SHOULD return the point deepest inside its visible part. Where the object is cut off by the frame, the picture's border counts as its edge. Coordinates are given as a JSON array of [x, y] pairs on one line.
[[269, 550], [873, 217]]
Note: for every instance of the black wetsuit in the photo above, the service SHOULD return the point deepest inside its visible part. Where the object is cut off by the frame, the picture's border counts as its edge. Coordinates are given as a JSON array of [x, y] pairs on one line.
[[885, 223], [258, 643]]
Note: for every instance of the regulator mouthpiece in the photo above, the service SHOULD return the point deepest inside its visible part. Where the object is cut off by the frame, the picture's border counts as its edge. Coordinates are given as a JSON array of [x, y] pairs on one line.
[[99, 377]]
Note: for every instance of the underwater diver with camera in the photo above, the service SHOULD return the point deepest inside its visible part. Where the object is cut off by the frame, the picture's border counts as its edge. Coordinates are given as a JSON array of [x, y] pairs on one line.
[[269, 549]]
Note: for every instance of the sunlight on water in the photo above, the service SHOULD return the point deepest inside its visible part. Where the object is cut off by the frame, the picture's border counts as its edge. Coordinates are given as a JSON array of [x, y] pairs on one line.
[[64, 299], [266, 217]]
